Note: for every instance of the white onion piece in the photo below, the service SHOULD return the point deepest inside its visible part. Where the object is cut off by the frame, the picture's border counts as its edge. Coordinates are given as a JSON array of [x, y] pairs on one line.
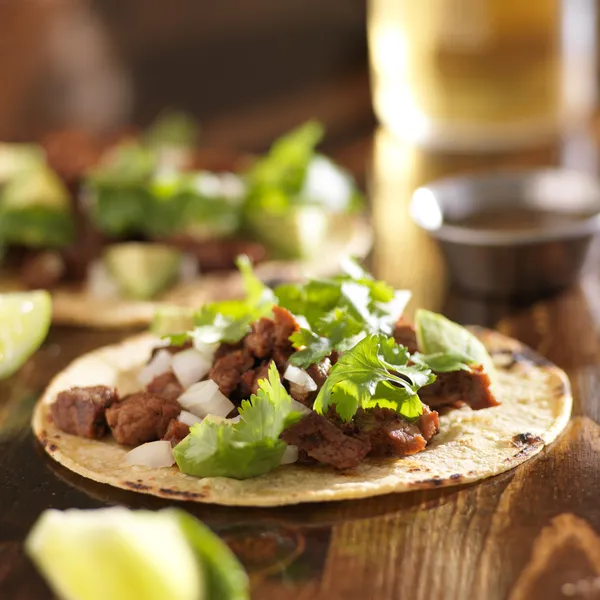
[[301, 378], [289, 456], [207, 350], [189, 418], [153, 454], [99, 282], [299, 407], [188, 268], [159, 364], [235, 419], [204, 398], [190, 366]]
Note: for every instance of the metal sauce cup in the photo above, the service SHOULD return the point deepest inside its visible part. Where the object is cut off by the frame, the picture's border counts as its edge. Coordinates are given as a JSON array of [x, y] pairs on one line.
[[490, 248]]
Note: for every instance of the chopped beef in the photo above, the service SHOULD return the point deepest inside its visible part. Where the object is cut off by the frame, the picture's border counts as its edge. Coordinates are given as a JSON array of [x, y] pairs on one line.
[[281, 357], [86, 248], [141, 417], [246, 385], [81, 411], [42, 270], [217, 254], [176, 431], [285, 325], [324, 441], [227, 371], [453, 389], [429, 423], [261, 372], [260, 342], [404, 334], [319, 373], [166, 385], [225, 349], [171, 349], [387, 432], [237, 368]]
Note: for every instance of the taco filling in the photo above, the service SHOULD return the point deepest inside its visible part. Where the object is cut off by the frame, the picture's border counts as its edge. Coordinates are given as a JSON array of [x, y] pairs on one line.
[[131, 217], [327, 372]]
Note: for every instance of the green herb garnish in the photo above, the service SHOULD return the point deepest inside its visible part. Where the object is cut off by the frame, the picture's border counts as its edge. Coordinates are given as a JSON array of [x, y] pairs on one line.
[[447, 346], [229, 321], [248, 448], [375, 372]]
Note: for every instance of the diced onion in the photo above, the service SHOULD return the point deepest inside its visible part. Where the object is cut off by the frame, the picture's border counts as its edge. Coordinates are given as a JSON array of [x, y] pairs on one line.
[[207, 350], [99, 282], [235, 419], [160, 363], [204, 398], [153, 454], [289, 456], [188, 268], [299, 407], [301, 378], [190, 366], [188, 418]]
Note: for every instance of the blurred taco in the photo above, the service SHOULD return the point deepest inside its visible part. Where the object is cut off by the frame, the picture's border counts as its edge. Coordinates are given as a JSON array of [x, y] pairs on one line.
[[116, 226]]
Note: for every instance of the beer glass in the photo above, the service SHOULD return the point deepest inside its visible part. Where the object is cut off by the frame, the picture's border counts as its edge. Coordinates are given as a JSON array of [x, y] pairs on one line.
[[482, 74]]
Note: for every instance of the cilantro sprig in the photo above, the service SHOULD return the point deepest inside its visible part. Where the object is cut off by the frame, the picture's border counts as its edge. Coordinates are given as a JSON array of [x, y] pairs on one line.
[[229, 321], [340, 311], [375, 372], [248, 448]]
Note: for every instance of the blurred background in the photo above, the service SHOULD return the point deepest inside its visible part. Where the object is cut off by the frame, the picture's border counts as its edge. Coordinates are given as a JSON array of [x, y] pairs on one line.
[[457, 75], [247, 70], [408, 90]]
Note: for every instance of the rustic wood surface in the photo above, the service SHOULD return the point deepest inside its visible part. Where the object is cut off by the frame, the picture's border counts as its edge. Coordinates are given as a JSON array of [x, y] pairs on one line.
[[529, 534]]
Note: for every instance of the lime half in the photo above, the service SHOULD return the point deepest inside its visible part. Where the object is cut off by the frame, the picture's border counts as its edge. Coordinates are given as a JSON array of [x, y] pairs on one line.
[[116, 554], [24, 322]]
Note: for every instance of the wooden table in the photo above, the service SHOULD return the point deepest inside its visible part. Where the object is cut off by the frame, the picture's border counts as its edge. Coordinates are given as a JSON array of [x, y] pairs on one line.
[[528, 534]]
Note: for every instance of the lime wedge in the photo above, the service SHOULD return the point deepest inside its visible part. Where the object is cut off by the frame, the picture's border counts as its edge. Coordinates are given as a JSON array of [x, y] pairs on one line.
[[24, 323], [115, 553]]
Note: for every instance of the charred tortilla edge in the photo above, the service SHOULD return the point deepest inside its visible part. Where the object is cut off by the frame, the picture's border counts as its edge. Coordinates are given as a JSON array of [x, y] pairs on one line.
[[473, 445]]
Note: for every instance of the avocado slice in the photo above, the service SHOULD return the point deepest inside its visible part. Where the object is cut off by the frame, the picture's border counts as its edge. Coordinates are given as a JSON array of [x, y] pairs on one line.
[[36, 187], [301, 231], [142, 270], [16, 158]]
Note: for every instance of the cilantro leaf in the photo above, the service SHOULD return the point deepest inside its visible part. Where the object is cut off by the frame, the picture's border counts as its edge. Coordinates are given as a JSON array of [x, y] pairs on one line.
[[276, 179], [312, 348], [443, 362], [354, 381], [245, 449], [437, 335], [342, 310], [172, 128], [338, 331], [229, 321], [257, 293]]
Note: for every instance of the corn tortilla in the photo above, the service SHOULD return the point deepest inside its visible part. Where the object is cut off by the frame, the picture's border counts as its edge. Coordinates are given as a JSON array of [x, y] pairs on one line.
[[472, 445]]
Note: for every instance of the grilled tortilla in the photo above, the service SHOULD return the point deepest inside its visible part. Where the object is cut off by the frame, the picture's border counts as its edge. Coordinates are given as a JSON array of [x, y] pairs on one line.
[[472, 445]]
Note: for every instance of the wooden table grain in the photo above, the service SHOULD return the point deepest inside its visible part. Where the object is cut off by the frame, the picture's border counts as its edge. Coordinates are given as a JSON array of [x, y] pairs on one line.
[[532, 533]]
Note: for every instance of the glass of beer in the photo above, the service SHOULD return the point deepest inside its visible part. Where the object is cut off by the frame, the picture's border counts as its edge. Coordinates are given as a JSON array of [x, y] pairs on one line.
[[482, 74]]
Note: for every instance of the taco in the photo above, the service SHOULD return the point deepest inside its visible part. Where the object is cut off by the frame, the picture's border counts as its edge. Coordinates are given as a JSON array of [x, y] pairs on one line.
[[116, 227], [311, 392]]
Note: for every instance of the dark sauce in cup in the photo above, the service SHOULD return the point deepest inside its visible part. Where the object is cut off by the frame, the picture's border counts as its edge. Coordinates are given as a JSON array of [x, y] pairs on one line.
[[522, 220]]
